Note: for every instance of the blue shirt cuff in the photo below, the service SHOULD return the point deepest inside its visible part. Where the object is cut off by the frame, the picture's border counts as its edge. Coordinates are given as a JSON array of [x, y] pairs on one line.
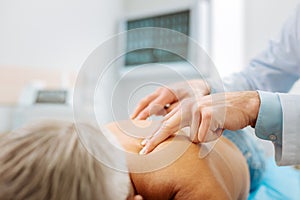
[[269, 121]]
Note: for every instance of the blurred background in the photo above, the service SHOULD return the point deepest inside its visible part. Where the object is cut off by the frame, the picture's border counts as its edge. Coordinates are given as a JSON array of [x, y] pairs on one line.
[[43, 44]]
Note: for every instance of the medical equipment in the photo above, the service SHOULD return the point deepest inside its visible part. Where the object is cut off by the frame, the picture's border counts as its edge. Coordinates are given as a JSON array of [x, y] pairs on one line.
[[37, 103], [52, 96], [192, 20]]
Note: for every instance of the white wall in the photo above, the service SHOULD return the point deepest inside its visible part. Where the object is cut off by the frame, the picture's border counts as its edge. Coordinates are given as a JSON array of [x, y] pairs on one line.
[[54, 33], [62, 33], [263, 21], [228, 35], [242, 28]]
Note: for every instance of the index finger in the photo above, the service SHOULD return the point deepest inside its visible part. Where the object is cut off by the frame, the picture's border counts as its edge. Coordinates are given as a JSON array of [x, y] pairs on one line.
[[156, 107], [143, 104], [168, 128]]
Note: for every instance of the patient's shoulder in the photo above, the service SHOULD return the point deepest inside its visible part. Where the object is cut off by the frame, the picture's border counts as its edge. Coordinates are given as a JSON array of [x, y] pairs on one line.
[[186, 178], [223, 174], [204, 178]]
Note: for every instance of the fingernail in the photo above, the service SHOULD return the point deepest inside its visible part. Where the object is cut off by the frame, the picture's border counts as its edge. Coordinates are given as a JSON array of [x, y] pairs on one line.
[[143, 151], [138, 197], [132, 116], [143, 143]]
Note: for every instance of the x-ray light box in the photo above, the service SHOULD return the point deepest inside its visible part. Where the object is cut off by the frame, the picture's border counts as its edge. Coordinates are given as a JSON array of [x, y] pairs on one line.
[[193, 21]]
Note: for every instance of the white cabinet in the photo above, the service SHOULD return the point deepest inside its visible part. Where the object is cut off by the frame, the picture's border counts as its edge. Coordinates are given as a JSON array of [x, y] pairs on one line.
[[13, 117], [6, 113], [37, 112]]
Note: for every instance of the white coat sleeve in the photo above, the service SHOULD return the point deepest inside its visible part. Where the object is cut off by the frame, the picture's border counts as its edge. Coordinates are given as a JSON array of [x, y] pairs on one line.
[[289, 152], [276, 70]]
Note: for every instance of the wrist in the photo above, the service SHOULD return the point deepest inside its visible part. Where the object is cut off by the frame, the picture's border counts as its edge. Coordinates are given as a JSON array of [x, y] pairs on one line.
[[190, 89], [254, 104], [199, 88]]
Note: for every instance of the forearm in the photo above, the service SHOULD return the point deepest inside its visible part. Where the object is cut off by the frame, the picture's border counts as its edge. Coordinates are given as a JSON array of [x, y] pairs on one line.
[[237, 82]]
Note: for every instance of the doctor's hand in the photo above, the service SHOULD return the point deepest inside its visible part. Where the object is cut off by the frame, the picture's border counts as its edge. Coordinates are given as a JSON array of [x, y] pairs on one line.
[[207, 117], [165, 99]]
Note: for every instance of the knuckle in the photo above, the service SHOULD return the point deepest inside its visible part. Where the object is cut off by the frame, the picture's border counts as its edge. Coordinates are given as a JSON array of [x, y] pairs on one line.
[[152, 104], [165, 126], [167, 129], [142, 114], [144, 100], [154, 144], [150, 144], [160, 90], [195, 139], [200, 106], [206, 114], [195, 111]]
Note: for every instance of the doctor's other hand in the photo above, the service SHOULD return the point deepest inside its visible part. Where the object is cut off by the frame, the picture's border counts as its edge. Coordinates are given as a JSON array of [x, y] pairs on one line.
[[165, 99], [207, 117]]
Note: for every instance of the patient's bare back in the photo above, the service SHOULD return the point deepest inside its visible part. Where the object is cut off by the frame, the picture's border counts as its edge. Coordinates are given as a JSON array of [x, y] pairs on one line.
[[222, 174]]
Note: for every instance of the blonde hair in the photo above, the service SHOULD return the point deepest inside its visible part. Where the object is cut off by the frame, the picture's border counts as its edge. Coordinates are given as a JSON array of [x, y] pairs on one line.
[[47, 161]]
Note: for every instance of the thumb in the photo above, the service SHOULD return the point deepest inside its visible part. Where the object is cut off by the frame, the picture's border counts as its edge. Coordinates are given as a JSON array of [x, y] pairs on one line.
[[138, 197], [155, 140]]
